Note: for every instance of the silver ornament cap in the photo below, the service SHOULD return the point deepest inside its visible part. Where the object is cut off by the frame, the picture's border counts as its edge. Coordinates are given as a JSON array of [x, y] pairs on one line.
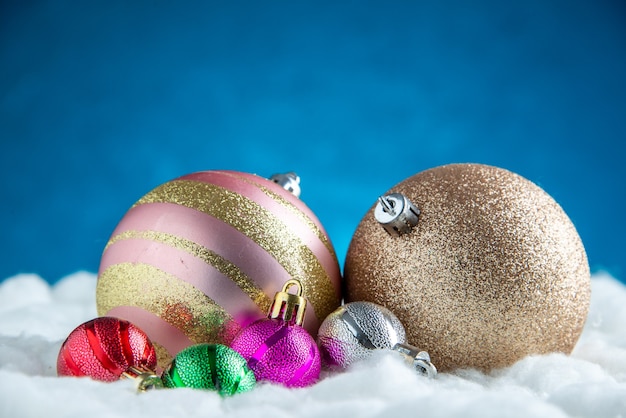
[[396, 213], [419, 360], [289, 181], [354, 330]]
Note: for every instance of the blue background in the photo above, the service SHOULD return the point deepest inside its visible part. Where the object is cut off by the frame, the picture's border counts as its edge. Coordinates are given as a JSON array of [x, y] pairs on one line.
[[101, 101]]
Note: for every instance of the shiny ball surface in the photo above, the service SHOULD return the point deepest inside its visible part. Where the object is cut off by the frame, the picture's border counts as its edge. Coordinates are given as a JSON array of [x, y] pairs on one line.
[[104, 348], [210, 367], [493, 271], [354, 330], [279, 352], [200, 257]]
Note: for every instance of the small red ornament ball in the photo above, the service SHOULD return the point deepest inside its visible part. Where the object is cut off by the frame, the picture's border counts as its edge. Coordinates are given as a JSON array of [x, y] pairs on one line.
[[104, 348]]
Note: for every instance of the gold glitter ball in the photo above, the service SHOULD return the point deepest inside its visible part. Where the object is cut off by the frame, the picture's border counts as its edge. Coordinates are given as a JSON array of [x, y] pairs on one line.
[[493, 271]]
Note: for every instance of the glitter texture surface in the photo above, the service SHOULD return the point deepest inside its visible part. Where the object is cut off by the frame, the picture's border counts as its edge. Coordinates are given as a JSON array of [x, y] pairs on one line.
[[205, 252], [224, 266], [351, 332], [261, 226], [290, 205], [493, 271], [210, 367], [279, 352], [177, 302]]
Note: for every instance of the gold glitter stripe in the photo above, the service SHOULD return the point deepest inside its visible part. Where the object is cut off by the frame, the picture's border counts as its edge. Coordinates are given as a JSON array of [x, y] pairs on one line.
[[175, 301], [294, 211], [211, 258], [163, 356], [255, 222]]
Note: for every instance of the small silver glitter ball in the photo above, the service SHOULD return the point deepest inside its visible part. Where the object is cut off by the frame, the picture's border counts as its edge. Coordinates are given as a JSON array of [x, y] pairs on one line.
[[352, 331]]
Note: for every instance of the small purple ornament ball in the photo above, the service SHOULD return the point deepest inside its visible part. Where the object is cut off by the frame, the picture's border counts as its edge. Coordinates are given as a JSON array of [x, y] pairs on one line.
[[279, 352], [277, 348]]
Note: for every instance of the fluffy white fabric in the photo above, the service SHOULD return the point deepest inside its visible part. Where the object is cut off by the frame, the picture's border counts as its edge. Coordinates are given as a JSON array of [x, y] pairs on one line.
[[35, 318]]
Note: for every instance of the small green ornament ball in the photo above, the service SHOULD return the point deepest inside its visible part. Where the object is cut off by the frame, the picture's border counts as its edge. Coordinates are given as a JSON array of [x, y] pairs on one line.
[[209, 366]]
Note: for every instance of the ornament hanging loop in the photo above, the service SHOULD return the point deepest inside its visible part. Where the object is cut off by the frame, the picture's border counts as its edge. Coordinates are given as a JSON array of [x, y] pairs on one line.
[[420, 360], [287, 306], [144, 379], [396, 213]]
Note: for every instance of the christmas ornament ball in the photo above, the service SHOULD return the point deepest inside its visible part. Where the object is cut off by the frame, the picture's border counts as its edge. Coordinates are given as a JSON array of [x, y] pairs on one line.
[[352, 331], [210, 367], [277, 348], [279, 352], [200, 257], [104, 349], [489, 270]]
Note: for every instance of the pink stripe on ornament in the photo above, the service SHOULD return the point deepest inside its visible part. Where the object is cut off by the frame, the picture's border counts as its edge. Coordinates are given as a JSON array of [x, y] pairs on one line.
[[233, 181], [210, 233], [185, 267], [285, 194]]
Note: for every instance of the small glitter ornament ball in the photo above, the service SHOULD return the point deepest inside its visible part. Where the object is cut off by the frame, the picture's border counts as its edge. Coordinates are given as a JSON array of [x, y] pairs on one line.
[[481, 266], [354, 330], [199, 257], [277, 348], [211, 367], [105, 349]]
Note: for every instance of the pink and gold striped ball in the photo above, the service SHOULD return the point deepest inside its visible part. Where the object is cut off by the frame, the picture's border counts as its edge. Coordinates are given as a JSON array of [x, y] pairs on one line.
[[201, 256]]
